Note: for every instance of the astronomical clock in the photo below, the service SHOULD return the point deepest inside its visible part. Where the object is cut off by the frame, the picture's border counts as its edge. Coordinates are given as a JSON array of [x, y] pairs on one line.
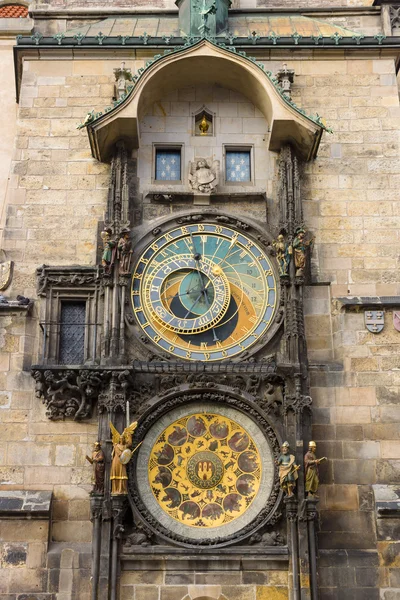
[[195, 322], [206, 298], [204, 292]]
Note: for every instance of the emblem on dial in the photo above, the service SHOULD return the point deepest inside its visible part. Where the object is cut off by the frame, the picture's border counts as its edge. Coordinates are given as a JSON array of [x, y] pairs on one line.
[[204, 292]]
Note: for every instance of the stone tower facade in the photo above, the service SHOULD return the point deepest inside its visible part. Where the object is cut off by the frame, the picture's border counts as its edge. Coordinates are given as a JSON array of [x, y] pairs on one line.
[[200, 236]]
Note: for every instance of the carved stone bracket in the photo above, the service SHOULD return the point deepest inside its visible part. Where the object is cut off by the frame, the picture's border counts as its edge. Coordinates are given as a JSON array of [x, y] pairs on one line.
[[66, 392], [308, 509], [297, 404], [291, 509], [72, 393], [96, 506], [119, 506]]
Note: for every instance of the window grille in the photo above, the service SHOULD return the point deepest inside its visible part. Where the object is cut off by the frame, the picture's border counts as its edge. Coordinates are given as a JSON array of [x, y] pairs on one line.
[[72, 333]]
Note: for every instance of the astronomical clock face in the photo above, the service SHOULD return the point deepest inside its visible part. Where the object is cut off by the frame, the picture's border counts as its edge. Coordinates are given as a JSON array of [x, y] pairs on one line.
[[205, 471], [204, 292]]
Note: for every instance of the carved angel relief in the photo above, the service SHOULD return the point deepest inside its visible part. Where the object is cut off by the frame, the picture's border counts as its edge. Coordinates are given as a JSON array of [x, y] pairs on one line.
[[204, 175]]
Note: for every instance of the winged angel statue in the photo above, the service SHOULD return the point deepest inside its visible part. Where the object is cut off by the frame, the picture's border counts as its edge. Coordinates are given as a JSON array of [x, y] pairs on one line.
[[204, 175], [121, 455]]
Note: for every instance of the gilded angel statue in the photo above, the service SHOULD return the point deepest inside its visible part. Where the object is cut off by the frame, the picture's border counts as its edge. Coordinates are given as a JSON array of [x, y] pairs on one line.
[[204, 175], [121, 455]]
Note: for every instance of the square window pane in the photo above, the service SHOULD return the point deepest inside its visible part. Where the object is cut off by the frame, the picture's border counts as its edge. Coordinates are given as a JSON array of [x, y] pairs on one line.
[[237, 167], [168, 165]]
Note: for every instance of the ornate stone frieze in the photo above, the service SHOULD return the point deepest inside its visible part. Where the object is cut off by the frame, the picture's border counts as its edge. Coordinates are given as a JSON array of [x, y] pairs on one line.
[[68, 393], [65, 277]]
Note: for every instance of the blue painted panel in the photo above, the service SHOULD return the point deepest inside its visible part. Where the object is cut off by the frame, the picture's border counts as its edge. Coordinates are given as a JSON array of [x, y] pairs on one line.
[[168, 165], [238, 166]]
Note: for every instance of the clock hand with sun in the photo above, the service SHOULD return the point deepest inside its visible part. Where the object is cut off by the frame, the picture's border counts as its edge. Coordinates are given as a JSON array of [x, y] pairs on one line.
[[197, 258]]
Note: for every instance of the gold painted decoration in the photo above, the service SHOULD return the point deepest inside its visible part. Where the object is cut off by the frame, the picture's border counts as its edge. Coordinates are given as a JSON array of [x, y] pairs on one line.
[[5, 274], [204, 470], [204, 292]]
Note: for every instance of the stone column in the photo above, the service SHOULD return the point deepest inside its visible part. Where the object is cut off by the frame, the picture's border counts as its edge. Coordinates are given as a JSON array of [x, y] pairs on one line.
[[118, 507], [311, 515], [292, 517], [96, 504]]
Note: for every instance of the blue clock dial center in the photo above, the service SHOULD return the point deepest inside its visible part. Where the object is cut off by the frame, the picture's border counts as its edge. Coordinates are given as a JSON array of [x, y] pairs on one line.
[[196, 292]]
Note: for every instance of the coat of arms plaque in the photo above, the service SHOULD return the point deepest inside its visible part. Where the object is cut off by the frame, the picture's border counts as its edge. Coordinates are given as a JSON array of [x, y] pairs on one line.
[[374, 320]]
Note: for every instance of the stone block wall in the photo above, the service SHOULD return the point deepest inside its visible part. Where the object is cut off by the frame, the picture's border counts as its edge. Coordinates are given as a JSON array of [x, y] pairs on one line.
[[352, 206], [56, 197], [213, 577]]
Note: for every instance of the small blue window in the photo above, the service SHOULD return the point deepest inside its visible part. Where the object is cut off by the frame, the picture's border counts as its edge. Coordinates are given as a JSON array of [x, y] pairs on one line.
[[168, 165], [237, 166]]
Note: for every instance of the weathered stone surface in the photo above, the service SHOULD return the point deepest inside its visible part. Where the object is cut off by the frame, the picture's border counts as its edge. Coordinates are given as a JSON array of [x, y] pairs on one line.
[[31, 504]]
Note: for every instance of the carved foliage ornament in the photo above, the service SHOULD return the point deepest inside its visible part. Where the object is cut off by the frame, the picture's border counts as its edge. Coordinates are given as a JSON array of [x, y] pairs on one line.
[[72, 394]]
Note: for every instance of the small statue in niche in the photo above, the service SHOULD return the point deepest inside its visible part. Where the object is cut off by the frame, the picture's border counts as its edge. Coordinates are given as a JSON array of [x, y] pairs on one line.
[[283, 252], [300, 247], [311, 463], [108, 256], [287, 470], [204, 177], [204, 126], [122, 76], [98, 461], [120, 456], [124, 252]]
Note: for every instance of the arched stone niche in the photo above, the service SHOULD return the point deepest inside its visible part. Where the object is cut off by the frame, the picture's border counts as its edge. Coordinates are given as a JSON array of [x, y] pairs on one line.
[[205, 64], [237, 125]]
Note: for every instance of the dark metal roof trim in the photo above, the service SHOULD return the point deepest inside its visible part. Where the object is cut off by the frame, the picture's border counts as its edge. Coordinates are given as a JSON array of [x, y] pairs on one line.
[[370, 300], [295, 41]]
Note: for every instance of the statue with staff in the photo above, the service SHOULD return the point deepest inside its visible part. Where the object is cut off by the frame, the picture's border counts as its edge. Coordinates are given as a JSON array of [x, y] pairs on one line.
[[287, 470]]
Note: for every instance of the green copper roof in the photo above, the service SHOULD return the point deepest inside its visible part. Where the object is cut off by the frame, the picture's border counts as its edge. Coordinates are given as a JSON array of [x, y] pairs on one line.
[[239, 26]]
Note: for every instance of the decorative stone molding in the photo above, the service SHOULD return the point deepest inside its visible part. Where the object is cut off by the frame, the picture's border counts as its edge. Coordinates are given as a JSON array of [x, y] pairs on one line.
[[25, 504]]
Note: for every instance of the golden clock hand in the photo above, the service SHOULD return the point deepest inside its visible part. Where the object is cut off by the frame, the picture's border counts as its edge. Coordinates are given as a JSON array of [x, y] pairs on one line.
[[215, 337]]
